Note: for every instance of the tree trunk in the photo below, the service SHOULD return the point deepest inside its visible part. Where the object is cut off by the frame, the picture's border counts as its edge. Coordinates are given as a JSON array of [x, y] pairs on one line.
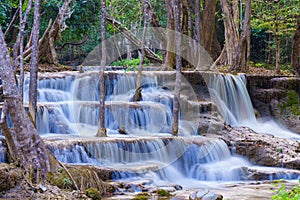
[[138, 91], [26, 146], [159, 34], [47, 52], [197, 20], [208, 29], [242, 56], [277, 54], [296, 50], [101, 126], [231, 34], [34, 62], [130, 36], [170, 56], [175, 114]]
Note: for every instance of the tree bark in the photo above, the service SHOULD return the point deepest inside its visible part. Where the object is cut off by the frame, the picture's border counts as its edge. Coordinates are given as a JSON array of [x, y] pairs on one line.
[[19, 40], [130, 36], [296, 50], [277, 54], [138, 91], [197, 20], [34, 62], [47, 52], [242, 56], [175, 113], [170, 55], [231, 34], [27, 147], [101, 126]]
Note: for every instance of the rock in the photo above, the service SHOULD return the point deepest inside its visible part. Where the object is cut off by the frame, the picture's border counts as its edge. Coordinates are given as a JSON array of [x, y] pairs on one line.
[[10, 176], [264, 149], [276, 97], [205, 195]]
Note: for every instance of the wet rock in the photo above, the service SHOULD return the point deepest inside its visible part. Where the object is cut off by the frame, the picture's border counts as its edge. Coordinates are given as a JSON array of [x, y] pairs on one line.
[[205, 195], [277, 97], [10, 176], [264, 149]]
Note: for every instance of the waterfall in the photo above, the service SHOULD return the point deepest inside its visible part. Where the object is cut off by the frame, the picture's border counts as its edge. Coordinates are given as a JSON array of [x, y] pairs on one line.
[[230, 94], [69, 104], [205, 160]]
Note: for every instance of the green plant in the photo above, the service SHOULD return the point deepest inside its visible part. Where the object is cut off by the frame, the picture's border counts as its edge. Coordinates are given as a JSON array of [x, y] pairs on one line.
[[284, 194], [67, 183], [93, 193]]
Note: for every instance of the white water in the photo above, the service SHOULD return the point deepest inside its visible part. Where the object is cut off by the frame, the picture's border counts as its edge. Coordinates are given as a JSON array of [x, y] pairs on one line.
[[230, 94], [68, 105]]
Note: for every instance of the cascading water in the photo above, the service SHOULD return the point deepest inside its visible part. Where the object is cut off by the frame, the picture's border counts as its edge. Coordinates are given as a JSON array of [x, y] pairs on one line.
[[230, 94], [68, 106]]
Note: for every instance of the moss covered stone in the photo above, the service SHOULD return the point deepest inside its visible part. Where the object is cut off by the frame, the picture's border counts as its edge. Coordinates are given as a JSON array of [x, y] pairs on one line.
[[93, 193]]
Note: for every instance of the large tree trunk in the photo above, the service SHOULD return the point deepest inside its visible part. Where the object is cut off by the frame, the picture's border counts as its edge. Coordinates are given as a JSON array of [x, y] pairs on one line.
[[34, 62], [296, 50], [231, 34], [138, 91], [101, 126], [175, 113], [208, 29], [25, 145], [242, 56], [47, 52], [170, 55]]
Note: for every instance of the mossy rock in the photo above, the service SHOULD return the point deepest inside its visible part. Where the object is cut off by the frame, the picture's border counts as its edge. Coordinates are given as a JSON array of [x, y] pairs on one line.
[[163, 193], [93, 193], [140, 198], [292, 103], [85, 177]]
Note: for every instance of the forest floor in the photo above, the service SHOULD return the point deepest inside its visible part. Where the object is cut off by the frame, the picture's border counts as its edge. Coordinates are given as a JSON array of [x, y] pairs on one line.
[[252, 70]]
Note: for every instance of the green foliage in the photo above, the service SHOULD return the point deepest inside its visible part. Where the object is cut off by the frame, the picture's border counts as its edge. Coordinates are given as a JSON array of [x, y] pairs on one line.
[[93, 193], [6, 8], [284, 194], [130, 62], [292, 103]]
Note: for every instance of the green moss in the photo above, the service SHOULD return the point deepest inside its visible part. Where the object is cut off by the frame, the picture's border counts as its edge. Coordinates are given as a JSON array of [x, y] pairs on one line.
[[291, 105], [163, 193], [140, 198], [60, 179], [93, 193]]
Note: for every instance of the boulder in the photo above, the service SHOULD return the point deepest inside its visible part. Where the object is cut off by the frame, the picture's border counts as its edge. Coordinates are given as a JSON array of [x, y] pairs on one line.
[[205, 194], [264, 149]]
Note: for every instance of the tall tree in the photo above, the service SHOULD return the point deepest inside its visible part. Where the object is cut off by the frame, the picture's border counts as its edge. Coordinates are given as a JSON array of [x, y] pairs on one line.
[[242, 54], [101, 125], [25, 145], [231, 32], [170, 55], [138, 91], [296, 50], [34, 62], [175, 114]]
